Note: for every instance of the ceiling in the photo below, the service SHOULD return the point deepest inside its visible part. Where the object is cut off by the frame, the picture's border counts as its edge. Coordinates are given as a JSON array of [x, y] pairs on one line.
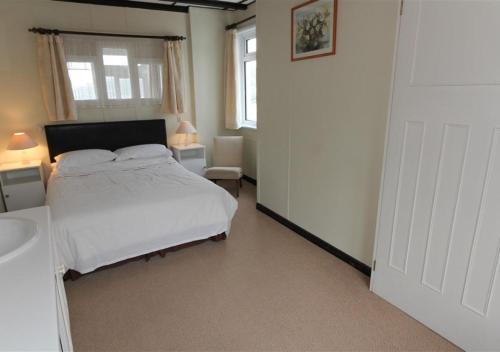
[[172, 5]]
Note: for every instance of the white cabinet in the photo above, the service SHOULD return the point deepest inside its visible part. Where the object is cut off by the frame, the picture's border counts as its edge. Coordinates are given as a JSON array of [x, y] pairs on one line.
[[192, 157], [33, 306], [63, 323], [22, 185]]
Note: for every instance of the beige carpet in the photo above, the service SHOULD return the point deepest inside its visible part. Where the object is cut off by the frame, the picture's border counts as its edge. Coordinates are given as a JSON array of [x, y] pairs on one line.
[[263, 289]]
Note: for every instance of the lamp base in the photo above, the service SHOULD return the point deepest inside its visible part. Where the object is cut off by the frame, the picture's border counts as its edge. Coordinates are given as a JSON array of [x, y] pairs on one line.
[[24, 159]]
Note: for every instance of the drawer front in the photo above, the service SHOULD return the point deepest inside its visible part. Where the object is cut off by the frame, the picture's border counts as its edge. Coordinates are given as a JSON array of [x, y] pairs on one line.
[[193, 154], [23, 196], [16, 177]]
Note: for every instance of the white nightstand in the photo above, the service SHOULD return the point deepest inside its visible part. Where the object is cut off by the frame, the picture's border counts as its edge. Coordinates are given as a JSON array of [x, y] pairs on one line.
[[192, 157], [22, 185]]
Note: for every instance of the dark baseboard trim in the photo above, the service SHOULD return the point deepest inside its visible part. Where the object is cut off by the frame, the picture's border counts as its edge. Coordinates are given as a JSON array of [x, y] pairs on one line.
[[365, 269], [249, 179]]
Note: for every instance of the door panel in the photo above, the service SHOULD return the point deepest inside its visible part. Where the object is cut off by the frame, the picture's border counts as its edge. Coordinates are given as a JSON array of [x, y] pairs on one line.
[[484, 261], [465, 50], [445, 202], [405, 206], [438, 233]]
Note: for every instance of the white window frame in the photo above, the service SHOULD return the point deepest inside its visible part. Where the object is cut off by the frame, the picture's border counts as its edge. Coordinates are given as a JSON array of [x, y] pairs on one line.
[[242, 37]]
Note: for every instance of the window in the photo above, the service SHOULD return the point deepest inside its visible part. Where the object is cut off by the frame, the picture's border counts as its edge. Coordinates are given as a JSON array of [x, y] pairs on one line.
[[82, 79], [107, 72], [248, 76], [150, 80], [117, 73]]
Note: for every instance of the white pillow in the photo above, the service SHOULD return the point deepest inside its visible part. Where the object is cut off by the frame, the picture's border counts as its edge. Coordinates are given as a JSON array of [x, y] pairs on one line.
[[142, 151], [84, 157]]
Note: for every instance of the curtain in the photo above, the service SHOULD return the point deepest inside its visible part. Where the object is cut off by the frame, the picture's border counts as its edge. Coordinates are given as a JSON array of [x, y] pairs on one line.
[[108, 72], [173, 78], [56, 86], [232, 108]]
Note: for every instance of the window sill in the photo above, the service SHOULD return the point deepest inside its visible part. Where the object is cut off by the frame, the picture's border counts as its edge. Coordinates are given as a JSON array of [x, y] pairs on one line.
[[251, 126]]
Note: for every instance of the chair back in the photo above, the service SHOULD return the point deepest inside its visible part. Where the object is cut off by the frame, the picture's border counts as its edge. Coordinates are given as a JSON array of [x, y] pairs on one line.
[[228, 151]]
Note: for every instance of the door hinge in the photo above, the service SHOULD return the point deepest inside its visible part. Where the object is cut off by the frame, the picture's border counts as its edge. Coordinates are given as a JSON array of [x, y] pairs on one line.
[[401, 8], [374, 265]]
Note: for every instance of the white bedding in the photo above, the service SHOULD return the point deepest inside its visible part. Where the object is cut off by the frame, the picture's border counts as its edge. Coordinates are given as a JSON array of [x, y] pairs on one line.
[[118, 210]]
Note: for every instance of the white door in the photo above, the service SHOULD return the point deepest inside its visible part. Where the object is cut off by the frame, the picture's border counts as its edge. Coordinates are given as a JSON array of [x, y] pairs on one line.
[[438, 235]]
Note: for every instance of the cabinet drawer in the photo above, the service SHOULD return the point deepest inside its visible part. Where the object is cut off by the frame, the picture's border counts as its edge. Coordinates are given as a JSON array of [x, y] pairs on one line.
[[24, 195], [16, 177], [193, 154]]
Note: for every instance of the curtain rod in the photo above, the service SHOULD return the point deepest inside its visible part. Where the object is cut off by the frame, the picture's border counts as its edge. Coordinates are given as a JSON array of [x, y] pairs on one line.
[[57, 32], [236, 24]]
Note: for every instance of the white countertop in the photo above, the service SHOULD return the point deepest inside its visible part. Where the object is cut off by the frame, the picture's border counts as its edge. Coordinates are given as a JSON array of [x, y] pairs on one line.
[[20, 165], [187, 147], [28, 313]]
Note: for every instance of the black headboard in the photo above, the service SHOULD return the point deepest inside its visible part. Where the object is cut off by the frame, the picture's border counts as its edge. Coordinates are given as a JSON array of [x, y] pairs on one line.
[[103, 135]]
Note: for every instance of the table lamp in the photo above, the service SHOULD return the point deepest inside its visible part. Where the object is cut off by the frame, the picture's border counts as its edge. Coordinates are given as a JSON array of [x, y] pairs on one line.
[[21, 141], [185, 127]]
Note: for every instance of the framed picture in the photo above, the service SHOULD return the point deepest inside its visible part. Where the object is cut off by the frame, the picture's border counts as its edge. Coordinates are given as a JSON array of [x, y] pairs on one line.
[[314, 29]]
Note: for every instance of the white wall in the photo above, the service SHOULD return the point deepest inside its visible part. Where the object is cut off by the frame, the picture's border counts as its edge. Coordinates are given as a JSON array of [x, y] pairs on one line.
[[207, 40], [249, 134], [322, 122]]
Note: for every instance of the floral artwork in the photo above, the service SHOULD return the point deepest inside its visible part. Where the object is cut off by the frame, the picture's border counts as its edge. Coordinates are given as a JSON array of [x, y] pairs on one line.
[[313, 29]]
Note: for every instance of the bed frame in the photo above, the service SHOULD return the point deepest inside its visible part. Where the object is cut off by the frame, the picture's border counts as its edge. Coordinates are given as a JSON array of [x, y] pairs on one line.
[[63, 138], [75, 275]]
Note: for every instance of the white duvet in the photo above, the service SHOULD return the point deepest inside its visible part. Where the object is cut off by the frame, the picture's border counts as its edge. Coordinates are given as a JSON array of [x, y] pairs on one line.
[[118, 210]]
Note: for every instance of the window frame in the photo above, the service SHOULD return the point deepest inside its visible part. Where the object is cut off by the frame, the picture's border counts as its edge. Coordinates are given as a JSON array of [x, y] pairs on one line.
[[243, 36]]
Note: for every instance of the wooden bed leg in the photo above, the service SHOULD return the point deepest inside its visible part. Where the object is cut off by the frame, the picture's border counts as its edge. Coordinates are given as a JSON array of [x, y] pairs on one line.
[[162, 253], [147, 257], [219, 237], [72, 275]]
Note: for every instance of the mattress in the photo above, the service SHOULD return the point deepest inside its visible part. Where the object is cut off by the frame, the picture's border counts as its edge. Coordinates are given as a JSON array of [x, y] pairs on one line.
[[118, 210]]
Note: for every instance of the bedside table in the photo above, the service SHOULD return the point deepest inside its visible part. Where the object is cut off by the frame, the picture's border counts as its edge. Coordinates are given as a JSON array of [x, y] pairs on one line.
[[192, 157], [22, 185]]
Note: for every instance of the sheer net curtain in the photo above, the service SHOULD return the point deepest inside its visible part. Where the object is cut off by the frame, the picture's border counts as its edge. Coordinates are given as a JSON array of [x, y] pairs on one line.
[[115, 72]]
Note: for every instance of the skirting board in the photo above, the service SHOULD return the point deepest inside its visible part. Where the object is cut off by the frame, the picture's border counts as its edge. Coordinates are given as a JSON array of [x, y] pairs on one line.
[[249, 179], [365, 269]]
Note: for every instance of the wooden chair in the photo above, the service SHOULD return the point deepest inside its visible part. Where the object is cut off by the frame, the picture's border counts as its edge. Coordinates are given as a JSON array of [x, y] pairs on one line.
[[227, 160]]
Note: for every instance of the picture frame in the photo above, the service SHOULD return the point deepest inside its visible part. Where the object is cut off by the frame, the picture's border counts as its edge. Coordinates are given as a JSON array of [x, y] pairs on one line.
[[313, 29]]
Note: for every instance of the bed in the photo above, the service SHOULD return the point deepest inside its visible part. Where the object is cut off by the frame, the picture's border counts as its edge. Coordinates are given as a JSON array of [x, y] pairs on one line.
[[116, 211]]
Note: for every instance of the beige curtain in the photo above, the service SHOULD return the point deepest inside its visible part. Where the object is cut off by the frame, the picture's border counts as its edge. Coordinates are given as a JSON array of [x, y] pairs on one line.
[[173, 78], [56, 86], [231, 85]]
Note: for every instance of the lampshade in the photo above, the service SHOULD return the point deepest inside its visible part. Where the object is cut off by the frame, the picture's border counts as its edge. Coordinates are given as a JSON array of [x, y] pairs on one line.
[[20, 141], [185, 127]]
